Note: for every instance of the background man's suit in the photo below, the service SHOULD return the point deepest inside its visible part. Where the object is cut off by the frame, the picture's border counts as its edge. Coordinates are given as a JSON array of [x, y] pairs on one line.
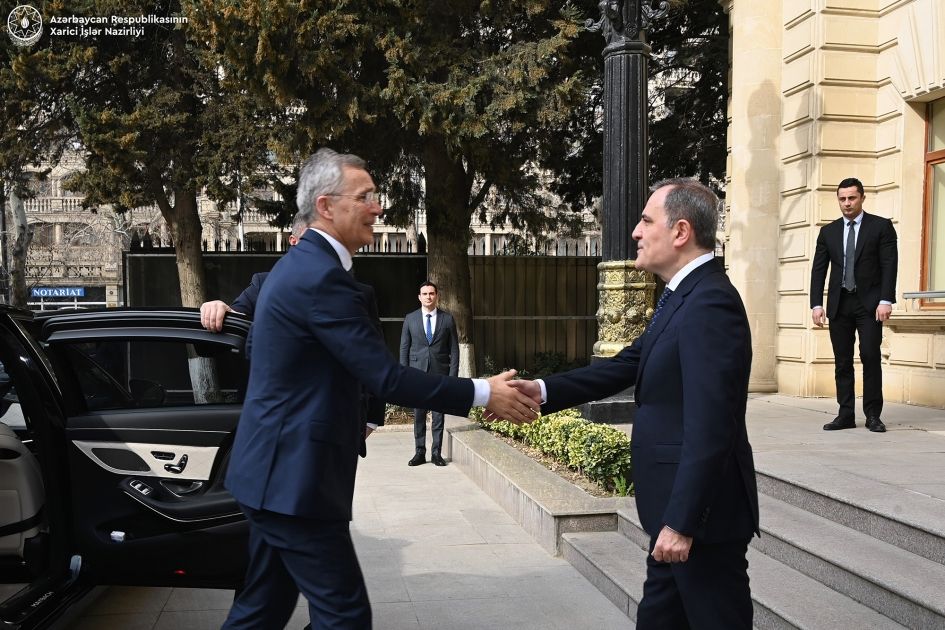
[[874, 269], [440, 356], [693, 469], [295, 454], [245, 303]]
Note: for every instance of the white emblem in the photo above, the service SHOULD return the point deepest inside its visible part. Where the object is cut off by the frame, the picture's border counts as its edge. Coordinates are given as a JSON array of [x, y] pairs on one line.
[[25, 25]]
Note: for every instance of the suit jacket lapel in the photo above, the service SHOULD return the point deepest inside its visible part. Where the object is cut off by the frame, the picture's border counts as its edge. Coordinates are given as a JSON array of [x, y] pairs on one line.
[[862, 236], [320, 241], [436, 326], [669, 309]]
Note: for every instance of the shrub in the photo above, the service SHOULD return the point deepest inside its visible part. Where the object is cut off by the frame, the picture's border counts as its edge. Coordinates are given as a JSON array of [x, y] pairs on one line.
[[547, 363], [549, 434], [601, 452]]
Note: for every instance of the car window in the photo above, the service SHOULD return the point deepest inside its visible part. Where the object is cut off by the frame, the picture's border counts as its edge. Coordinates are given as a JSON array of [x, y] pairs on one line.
[[11, 414], [130, 374]]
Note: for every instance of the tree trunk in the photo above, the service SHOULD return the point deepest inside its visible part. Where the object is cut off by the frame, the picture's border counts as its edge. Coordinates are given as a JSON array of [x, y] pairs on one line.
[[184, 225], [21, 243], [448, 234]]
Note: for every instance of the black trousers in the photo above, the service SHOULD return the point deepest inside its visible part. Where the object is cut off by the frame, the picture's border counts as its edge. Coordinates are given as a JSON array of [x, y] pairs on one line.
[[707, 592], [852, 319], [420, 431], [288, 555]]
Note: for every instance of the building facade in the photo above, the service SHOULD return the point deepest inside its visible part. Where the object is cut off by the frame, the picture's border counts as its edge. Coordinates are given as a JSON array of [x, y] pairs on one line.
[[75, 253], [822, 90]]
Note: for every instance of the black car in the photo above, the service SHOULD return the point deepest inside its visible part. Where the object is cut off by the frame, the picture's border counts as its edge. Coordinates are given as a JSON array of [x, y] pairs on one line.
[[115, 431]]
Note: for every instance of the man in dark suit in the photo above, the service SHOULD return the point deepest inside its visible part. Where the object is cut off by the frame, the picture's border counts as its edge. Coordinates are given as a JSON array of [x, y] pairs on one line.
[[429, 343], [295, 453], [693, 470], [860, 250], [214, 312]]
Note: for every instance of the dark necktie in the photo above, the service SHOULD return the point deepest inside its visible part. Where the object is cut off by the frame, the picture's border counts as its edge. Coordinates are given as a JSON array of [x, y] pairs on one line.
[[429, 328], [849, 282], [659, 305]]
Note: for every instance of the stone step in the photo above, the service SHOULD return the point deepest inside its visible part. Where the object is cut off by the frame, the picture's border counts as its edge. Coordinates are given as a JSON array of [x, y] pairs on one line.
[[611, 562], [897, 516], [899, 584], [783, 597]]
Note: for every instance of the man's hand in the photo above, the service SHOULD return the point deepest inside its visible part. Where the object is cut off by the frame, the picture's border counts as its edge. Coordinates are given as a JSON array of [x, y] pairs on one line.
[[529, 388], [212, 314], [819, 317], [883, 311], [508, 402], [367, 432], [671, 546]]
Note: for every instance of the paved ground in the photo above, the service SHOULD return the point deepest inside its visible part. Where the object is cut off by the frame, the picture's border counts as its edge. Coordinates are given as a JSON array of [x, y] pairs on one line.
[[436, 553]]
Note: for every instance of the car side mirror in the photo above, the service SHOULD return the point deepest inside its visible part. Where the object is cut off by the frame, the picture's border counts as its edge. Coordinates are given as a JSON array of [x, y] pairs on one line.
[[147, 393]]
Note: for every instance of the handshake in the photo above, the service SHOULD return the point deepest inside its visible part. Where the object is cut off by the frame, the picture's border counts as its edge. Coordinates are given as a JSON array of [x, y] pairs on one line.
[[517, 401]]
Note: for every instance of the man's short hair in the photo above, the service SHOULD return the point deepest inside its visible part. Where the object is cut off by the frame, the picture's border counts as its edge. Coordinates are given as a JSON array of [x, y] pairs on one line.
[[322, 174], [850, 182], [691, 200], [429, 284], [299, 225]]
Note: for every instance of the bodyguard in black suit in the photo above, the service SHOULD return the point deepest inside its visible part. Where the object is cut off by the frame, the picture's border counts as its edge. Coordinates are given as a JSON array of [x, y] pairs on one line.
[[295, 454], [693, 470], [428, 342], [860, 250]]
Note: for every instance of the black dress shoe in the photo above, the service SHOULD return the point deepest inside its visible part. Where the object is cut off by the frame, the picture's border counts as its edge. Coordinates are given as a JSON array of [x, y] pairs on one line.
[[874, 424], [438, 461], [418, 459], [838, 424]]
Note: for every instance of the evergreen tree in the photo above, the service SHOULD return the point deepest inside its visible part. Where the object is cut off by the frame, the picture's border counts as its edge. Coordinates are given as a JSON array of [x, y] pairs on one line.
[[689, 92], [460, 106], [156, 117]]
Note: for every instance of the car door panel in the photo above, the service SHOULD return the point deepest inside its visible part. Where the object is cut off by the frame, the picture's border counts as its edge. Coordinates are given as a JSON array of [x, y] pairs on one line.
[[149, 506]]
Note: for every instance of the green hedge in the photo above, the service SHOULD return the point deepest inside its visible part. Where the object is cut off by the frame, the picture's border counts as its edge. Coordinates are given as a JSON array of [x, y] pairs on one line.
[[600, 452]]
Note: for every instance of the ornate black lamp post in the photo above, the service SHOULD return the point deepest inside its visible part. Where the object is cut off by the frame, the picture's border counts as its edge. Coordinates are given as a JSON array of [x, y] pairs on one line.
[[626, 293]]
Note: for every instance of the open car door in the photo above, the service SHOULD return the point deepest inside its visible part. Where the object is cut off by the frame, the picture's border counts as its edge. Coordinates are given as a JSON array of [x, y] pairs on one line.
[[151, 403]]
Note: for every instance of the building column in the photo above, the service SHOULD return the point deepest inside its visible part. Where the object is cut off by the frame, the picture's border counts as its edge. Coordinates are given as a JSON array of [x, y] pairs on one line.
[[753, 174]]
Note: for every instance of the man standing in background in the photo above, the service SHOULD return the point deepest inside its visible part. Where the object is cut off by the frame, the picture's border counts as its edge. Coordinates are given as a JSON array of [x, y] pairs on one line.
[[429, 343], [860, 250]]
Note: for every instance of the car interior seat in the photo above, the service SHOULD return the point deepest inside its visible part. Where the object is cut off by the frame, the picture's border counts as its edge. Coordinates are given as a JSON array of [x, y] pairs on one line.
[[22, 496]]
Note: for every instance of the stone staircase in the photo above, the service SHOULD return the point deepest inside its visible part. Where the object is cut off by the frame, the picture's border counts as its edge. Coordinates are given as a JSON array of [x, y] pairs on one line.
[[855, 556]]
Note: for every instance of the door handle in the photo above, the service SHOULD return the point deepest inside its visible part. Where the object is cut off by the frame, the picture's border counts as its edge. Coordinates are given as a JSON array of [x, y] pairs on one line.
[[177, 468]]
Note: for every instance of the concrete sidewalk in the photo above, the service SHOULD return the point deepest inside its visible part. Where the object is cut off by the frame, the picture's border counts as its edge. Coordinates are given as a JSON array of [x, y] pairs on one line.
[[788, 439], [436, 553]]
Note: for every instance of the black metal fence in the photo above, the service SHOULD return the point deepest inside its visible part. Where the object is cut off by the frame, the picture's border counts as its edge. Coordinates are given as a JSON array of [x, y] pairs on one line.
[[529, 312]]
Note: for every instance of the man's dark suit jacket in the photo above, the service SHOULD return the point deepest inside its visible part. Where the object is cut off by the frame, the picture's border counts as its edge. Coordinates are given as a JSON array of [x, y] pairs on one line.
[[692, 464], [245, 303], [440, 356], [314, 346], [874, 265], [373, 409]]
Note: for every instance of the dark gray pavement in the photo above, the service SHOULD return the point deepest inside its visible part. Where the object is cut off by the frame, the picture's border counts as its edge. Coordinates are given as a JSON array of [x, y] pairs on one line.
[[438, 553]]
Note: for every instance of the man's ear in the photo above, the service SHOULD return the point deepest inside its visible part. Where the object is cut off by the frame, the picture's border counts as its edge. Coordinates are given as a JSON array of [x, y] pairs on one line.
[[323, 208], [684, 232]]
